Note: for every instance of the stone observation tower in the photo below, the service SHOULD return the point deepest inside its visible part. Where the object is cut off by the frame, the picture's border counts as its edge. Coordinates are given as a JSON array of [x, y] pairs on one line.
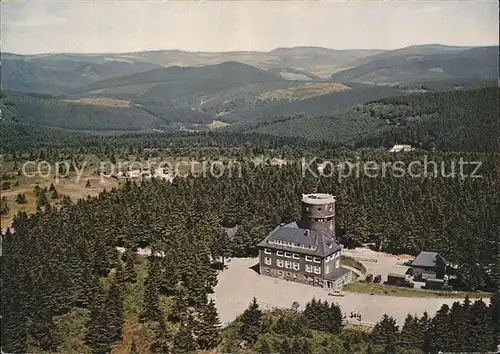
[[318, 213]]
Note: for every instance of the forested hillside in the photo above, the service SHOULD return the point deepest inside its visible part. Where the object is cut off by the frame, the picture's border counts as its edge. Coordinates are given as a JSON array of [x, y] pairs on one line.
[[451, 120], [61, 271], [318, 329], [416, 64]]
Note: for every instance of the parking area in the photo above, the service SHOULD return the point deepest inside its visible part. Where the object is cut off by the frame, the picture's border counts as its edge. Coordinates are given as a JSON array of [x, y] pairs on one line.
[[378, 263], [239, 283]]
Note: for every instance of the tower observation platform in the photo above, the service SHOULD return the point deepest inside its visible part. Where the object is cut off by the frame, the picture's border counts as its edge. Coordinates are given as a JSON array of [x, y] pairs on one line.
[[318, 213]]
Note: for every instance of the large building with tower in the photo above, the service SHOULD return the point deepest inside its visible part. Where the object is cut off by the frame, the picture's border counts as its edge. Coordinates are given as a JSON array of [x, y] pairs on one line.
[[305, 250]]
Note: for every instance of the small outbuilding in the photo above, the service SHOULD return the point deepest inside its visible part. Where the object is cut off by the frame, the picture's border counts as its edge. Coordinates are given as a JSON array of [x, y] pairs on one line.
[[429, 265]]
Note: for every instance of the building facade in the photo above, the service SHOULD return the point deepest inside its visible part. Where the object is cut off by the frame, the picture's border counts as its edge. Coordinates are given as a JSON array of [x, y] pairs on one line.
[[305, 250], [429, 265]]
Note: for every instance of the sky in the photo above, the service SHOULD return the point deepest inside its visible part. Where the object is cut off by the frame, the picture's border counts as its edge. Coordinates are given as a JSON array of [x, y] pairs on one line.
[[110, 26]]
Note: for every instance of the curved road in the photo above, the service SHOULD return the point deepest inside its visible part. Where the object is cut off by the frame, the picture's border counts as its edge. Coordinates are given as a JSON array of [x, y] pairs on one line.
[[239, 283]]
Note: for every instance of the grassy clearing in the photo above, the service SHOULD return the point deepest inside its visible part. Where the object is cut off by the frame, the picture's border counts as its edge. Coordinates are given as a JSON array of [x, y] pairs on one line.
[[377, 289], [303, 92], [100, 101], [217, 124]]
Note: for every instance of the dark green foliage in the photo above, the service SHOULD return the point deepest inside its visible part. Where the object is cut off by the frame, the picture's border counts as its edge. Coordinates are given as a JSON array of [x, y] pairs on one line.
[[285, 347], [251, 322], [323, 317], [451, 121], [184, 342], [21, 198], [4, 206], [412, 334], [208, 327], [495, 315], [264, 347], [133, 348], [386, 334], [150, 309], [106, 320]]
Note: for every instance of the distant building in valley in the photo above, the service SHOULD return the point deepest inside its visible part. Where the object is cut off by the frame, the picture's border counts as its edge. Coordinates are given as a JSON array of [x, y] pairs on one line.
[[399, 148], [429, 265], [305, 250]]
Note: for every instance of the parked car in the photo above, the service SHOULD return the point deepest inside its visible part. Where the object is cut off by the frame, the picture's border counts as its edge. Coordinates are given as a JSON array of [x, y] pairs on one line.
[[336, 293], [369, 278], [377, 279]]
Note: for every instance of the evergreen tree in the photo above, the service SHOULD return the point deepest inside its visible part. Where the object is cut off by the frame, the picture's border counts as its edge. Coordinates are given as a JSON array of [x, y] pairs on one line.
[[285, 347], [21, 198], [480, 332], [440, 331], [133, 348], [208, 334], [495, 315], [412, 334], [184, 342], [386, 333], [264, 347], [251, 321], [115, 312]]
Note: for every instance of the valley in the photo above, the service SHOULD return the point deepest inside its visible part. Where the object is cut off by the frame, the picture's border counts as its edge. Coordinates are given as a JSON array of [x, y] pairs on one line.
[[268, 198]]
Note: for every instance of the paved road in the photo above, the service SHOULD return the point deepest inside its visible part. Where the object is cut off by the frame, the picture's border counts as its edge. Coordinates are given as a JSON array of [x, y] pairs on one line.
[[238, 284]]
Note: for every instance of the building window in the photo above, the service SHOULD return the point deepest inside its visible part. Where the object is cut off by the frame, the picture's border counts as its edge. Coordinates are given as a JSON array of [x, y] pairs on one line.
[[287, 274], [317, 260], [309, 258], [279, 253], [288, 255], [267, 260], [288, 264], [280, 273], [296, 256], [296, 266], [317, 270], [319, 208], [279, 263], [267, 251], [309, 268]]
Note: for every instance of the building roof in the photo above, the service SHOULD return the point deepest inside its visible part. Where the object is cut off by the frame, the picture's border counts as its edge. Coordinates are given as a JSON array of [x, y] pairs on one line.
[[428, 259], [336, 274], [321, 245], [231, 231]]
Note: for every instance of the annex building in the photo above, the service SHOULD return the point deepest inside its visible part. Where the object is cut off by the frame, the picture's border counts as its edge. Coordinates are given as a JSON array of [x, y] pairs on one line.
[[305, 250]]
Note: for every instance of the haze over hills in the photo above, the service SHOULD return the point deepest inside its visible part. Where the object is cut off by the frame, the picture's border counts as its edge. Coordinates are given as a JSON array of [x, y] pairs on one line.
[[169, 90], [422, 63]]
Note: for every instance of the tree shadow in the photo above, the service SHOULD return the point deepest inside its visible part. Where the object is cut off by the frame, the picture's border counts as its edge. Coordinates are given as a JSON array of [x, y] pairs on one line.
[[255, 268]]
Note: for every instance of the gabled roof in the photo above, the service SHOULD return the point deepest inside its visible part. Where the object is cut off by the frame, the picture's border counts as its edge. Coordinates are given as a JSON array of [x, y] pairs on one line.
[[428, 259], [322, 245]]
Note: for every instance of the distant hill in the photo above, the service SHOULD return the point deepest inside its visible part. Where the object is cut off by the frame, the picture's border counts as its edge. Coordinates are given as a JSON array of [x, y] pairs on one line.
[[100, 115], [174, 82], [454, 120], [423, 63], [59, 75]]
